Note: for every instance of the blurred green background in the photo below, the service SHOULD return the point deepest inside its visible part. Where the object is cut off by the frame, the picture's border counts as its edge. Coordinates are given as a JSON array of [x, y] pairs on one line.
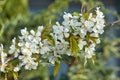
[[17, 14]]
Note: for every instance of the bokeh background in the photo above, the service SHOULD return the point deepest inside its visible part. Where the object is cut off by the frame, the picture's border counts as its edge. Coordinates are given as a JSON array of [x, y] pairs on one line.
[[17, 14]]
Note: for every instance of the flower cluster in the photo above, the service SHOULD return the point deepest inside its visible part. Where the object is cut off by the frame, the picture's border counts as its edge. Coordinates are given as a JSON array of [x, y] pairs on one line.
[[76, 36]]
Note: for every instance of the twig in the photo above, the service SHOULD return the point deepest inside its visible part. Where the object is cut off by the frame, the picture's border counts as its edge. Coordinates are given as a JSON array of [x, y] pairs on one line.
[[107, 25], [112, 23]]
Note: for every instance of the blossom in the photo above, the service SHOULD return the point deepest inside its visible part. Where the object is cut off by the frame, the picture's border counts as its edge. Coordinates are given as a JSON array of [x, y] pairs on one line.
[[67, 16], [29, 45], [17, 68], [99, 13], [89, 51], [66, 32], [32, 49], [82, 32], [74, 23], [81, 44], [59, 32], [46, 48], [24, 33], [13, 48], [66, 22], [3, 59], [28, 62]]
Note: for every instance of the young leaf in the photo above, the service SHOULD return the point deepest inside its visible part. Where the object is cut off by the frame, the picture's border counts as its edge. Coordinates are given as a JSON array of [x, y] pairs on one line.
[[68, 59], [93, 59], [56, 68], [47, 30], [74, 46], [15, 75], [75, 14], [86, 15], [46, 33], [85, 62]]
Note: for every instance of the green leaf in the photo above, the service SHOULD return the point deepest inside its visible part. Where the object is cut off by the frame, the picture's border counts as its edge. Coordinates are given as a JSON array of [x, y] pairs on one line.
[[93, 59], [15, 75], [50, 39], [91, 38], [86, 15], [46, 33], [74, 46], [68, 59], [85, 62], [56, 68], [47, 30], [75, 13]]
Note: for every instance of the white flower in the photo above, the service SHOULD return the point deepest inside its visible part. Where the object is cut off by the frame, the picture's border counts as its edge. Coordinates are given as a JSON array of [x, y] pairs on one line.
[[82, 32], [99, 13], [67, 16], [88, 24], [81, 44], [34, 37], [52, 60], [28, 62], [98, 41], [24, 33], [89, 51], [66, 22], [82, 19], [40, 28], [68, 52], [45, 49], [74, 23], [3, 59], [66, 32], [91, 18], [13, 48], [31, 65], [94, 35], [99, 21], [16, 69], [59, 32], [57, 29]]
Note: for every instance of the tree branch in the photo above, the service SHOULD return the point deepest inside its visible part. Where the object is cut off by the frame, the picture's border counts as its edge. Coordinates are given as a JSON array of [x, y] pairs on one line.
[[112, 23], [107, 25]]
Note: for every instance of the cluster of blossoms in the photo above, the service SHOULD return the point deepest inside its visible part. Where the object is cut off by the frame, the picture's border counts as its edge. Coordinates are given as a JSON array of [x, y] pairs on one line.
[[31, 49]]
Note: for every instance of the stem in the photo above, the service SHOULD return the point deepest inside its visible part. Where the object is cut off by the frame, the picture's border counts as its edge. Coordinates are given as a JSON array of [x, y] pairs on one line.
[[6, 76]]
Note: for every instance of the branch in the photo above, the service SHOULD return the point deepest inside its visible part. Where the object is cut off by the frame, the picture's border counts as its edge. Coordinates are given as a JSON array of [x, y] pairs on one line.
[[112, 23]]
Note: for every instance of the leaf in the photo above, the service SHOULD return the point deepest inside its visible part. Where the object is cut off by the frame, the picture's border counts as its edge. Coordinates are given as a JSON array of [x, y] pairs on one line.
[[47, 30], [93, 39], [93, 59], [15, 75], [56, 68], [85, 62], [46, 33], [86, 15], [74, 46], [75, 13], [68, 59], [50, 39]]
